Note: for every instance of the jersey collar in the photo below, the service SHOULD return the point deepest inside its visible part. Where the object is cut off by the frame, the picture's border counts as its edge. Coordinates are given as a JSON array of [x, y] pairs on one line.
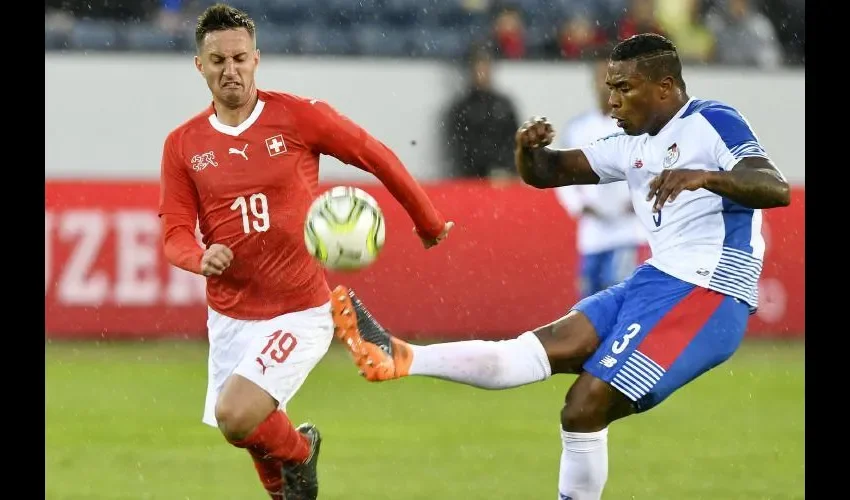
[[235, 131]]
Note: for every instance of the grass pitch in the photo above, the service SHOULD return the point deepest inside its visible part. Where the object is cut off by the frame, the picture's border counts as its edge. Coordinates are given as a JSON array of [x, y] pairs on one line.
[[123, 422]]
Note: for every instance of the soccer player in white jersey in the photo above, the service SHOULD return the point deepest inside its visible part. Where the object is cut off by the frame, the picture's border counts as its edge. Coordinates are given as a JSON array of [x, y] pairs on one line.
[[698, 178], [608, 235]]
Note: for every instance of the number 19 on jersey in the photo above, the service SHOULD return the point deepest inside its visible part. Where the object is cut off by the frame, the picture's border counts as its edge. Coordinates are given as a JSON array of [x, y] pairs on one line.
[[255, 212]]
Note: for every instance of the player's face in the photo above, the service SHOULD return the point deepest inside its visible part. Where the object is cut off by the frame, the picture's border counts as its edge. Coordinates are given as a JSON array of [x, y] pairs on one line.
[[633, 98], [228, 60]]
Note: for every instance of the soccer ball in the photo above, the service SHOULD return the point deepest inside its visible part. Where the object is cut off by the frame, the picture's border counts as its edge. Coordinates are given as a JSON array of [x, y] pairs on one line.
[[344, 229]]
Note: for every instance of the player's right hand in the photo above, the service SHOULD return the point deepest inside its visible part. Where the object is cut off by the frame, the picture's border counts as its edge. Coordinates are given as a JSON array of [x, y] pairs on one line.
[[430, 242], [535, 133], [216, 259]]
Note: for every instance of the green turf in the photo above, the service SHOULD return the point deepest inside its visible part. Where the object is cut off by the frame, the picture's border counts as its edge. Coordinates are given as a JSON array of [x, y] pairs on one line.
[[123, 421]]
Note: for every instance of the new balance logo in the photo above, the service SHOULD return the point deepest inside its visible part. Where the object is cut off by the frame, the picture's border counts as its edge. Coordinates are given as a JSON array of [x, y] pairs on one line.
[[608, 362], [561, 496]]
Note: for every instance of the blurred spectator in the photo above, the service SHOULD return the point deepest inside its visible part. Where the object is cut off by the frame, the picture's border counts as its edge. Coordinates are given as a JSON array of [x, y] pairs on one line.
[[744, 35], [578, 36], [682, 20], [789, 20], [509, 33], [520, 29], [171, 16], [639, 18], [608, 232], [475, 5], [480, 125], [57, 20]]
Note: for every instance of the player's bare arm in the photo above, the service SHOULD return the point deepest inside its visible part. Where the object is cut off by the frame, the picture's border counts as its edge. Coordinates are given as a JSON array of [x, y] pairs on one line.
[[754, 182], [543, 167]]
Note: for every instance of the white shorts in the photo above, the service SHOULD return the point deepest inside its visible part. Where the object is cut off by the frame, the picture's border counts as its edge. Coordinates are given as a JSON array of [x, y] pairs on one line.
[[276, 354]]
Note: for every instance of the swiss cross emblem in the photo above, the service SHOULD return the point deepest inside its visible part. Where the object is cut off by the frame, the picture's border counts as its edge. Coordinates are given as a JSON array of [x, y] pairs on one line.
[[275, 145]]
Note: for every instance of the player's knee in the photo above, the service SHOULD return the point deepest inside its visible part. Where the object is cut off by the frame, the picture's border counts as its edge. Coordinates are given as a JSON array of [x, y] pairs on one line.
[[236, 422], [585, 410]]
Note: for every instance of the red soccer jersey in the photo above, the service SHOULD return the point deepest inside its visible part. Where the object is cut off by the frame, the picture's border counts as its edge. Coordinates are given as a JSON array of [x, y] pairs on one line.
[[249, 188]]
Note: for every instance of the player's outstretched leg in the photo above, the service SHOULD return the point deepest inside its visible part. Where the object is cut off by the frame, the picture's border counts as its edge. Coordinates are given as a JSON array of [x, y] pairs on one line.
[[559, 347], [379, 355], [485, 364], [301, 480]]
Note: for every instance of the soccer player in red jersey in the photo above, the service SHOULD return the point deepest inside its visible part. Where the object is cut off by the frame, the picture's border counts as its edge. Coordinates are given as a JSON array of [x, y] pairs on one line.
[[245, 170]]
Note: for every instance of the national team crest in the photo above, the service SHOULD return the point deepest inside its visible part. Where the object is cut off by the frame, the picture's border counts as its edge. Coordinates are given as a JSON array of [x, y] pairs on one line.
[[203, 160], [672, 156], [276, 145]]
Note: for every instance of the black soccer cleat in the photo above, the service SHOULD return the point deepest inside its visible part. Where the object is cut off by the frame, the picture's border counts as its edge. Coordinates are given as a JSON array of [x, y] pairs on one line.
[[370, 330], [302, 480]]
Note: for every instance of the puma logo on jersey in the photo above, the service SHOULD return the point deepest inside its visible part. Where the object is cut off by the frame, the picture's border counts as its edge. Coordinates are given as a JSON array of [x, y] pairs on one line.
[[240, 152]]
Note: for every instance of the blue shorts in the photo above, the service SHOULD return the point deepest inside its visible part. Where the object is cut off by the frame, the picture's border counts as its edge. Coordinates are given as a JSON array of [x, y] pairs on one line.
[[658, 333], [603, 269]]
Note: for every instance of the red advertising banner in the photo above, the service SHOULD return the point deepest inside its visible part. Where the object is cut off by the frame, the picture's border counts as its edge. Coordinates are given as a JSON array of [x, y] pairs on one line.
[[508, 266]]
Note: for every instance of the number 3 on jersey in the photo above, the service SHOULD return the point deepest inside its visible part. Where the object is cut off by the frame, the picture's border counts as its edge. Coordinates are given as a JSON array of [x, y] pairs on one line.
[[255, 212], [617, 347]]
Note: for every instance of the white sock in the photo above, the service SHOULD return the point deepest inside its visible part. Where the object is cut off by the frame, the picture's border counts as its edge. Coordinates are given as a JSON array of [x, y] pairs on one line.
[[486, 364], [584, 465]]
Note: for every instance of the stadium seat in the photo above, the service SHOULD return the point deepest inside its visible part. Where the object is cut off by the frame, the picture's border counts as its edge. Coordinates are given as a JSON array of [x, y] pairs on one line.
[[539, 39], [591, 9], [342, 13], [94, 35], [381, 40], [452, 13], [404, 12], [320, 39], [439, 43], [149, 38], [256, 9], [276, 39], [293, 12], [55, 39]]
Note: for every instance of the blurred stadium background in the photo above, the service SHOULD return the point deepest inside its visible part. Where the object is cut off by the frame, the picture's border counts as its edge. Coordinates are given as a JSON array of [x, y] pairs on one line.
[[124, 333]]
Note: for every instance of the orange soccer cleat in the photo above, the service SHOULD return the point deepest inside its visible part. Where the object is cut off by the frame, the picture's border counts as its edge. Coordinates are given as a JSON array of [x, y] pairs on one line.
[[379, 355]]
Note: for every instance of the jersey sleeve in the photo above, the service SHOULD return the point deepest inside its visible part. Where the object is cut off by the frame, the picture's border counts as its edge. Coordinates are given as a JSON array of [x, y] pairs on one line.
[[733, 140], [178, 211], [608, 157], [331, 133]]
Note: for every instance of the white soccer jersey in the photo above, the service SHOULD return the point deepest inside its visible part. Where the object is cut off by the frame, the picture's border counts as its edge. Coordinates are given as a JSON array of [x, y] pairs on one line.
[[701, 238], [616, 228]]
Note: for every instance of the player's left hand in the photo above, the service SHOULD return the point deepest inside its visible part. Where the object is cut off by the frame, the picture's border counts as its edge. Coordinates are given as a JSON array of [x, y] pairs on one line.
[[430, 242], [667, 186]]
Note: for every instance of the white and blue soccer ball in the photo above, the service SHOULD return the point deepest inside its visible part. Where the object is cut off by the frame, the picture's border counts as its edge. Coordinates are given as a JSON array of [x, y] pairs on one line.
[[344, 229]]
